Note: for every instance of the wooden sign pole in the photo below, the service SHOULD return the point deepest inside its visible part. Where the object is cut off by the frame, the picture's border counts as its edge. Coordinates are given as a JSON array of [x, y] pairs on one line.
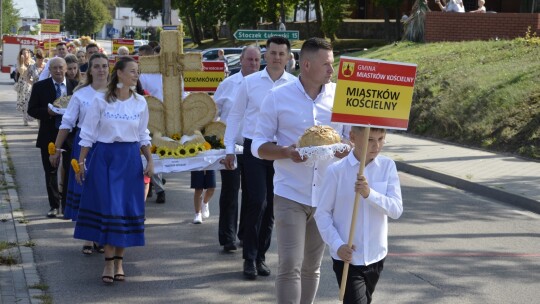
[[365, 142]]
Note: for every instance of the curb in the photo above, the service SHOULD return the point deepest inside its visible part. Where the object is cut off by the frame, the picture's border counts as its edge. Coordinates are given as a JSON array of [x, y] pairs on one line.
[[493, 193], [24, 274]]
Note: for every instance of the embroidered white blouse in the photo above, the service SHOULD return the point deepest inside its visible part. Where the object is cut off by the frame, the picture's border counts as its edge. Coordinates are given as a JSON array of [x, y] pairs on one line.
[[119, 121], [77, 107]]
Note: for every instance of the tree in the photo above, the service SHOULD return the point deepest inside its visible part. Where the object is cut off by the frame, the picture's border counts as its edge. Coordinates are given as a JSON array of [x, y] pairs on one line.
[[10, 16], [86, 16], [333, 15]]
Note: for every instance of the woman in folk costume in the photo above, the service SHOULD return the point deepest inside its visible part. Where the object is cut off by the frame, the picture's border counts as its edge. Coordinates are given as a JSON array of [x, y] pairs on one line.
[[111, 210], [94, 85]]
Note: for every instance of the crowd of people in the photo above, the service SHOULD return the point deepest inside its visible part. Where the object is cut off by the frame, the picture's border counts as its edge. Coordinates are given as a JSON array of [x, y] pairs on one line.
[[101, 136]]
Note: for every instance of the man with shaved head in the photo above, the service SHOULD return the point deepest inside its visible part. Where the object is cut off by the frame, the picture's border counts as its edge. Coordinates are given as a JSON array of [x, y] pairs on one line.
[[231, 180], [45, 92]]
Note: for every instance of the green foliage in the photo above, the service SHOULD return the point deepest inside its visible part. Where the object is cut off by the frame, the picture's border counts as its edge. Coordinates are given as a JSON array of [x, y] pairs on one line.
[[10, 16], [86, 16], [333, 15], [478, 93], [529, 39]]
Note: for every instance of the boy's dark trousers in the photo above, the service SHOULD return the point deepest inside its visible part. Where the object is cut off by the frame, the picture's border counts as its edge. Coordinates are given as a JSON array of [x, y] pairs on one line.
[[361, 281]]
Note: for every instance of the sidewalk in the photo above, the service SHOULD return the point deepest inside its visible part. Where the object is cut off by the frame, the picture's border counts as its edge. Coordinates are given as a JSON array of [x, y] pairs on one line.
[[508, 179]]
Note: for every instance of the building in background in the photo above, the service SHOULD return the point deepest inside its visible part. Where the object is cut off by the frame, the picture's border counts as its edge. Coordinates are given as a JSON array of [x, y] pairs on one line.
[[125, 19], [28, 16]]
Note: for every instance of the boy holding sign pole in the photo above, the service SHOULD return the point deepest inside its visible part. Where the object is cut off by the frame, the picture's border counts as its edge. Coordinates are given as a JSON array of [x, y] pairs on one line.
[[378, 185]]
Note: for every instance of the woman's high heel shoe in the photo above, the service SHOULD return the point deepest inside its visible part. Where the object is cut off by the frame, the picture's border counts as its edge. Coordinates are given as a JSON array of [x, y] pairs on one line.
[[99, 248], [107, 279], [119, 276]]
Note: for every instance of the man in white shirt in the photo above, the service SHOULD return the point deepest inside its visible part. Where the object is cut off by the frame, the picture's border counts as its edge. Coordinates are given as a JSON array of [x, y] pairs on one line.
[[153, 84], [259, 213], [381, 198], [231, 180], [61, 51], [288, 111]]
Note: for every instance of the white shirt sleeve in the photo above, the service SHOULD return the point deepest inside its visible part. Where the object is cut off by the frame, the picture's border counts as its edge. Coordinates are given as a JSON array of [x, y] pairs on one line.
[[144, 133], [90, 126], [325, 209], [69, 119], [236, 115], [390, 203], [267, 124], [218, 98], [45, 73]]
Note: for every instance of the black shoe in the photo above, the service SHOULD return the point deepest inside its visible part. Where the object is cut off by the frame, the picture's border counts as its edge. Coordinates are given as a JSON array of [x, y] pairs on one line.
[[52, 213], [250, 271], [229, 247], [163, 181], [160, 198], [262, 269]]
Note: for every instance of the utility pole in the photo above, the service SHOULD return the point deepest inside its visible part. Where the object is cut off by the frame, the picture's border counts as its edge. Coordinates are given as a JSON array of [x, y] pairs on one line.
[[166, 13]]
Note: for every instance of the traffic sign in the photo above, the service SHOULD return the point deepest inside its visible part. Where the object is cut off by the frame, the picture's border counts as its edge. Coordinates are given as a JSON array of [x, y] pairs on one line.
[[263, 35]]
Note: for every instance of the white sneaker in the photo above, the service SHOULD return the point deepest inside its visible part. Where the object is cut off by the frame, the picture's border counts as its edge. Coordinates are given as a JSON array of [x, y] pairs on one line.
[[205, 210], [198, 218]]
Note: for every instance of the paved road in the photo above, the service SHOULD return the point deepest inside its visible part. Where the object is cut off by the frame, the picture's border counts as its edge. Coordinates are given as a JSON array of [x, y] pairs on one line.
[[449, 246]]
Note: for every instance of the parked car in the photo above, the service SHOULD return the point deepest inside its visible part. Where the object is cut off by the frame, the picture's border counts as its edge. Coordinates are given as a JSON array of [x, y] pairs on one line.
[[137, 44], [212, 54]]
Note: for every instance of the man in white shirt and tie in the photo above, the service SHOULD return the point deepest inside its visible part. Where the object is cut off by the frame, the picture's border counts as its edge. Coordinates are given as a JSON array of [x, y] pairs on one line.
[[259, 214], [43, 93]]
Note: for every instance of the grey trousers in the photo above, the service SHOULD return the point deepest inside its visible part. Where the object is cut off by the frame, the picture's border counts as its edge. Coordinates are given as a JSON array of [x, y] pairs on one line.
[[300, 251]]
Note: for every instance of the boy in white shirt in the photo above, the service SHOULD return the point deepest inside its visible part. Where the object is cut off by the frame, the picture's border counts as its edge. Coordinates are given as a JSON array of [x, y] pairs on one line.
[[381, 198]]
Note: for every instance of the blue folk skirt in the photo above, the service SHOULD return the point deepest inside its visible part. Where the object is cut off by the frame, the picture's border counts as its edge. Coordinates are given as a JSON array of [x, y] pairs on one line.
[[111, 210], [74, 191]]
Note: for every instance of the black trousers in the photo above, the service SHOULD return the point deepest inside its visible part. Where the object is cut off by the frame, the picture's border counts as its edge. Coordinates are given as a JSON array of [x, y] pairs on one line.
[[231, 181], [51, 178], [361, 281], [259, 212]]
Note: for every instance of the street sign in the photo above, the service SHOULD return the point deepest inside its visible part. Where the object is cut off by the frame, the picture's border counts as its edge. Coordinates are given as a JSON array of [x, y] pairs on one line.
[[374, 93], [263, 35], [170, 27], [50, 26]]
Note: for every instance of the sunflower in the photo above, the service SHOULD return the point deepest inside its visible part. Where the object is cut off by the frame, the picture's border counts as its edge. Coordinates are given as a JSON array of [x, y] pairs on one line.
[[200, 148], [153, 149], [162, 151], [221, 143], [176, 153], [192, 150], [182, 152], [175, 136], [207, 146], [170, 153]]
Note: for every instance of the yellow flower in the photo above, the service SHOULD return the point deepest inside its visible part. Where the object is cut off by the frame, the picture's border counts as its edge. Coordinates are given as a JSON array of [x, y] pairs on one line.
[[75, 166], [162, 151], [200, 148], [221, 142], [182, 151], [191, 150], [51, 148], [207, 146], [175, 136], [176, 153], [153, 149], [170, 153]]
